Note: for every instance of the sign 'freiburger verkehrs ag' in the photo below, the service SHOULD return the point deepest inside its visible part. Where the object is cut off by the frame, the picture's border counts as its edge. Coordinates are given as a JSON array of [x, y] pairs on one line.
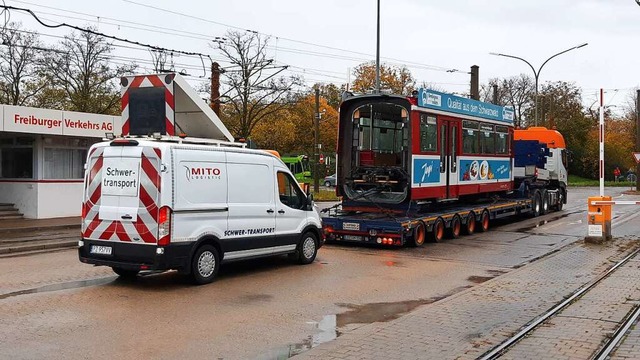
[[44, 121]]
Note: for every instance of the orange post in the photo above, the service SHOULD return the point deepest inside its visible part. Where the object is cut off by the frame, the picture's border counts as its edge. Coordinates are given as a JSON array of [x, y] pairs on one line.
[[599, 220]]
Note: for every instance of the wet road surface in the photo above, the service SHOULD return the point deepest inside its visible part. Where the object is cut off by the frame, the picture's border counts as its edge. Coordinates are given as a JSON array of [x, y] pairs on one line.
[[53, 306]]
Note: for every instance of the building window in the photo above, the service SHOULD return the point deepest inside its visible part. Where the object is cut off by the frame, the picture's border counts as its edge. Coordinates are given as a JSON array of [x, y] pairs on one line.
[[60, 163], [16, 158]]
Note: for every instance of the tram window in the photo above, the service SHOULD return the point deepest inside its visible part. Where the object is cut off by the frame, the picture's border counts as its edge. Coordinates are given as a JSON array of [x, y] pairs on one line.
[[470, 137], [487, 139], [428, 133], [502, 140]]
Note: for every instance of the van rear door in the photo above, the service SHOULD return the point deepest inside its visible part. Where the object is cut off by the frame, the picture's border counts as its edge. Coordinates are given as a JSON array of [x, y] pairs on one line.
[[122, 188]]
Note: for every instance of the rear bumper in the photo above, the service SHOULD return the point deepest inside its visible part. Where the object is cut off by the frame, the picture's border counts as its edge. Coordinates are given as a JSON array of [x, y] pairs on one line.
[[132, 256]]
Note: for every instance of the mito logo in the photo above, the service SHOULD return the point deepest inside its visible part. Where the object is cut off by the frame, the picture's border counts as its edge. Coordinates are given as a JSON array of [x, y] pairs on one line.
[[202, 173]]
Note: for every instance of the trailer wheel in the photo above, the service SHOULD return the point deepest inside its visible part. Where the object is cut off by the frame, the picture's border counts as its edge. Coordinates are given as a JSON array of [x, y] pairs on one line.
[[419, 235], [455, 227], [537, 206], [484, 221], [470, 227], [545, 202], [437, 230]]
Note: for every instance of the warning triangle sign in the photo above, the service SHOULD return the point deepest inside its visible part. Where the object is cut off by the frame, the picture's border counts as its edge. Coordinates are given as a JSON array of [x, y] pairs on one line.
[[636, 156]]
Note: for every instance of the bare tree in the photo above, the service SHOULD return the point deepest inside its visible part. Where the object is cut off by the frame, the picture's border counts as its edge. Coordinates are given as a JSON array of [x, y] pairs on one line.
[[82, 67], [517, 92], [254, 90], [160, 59], [19, 66]]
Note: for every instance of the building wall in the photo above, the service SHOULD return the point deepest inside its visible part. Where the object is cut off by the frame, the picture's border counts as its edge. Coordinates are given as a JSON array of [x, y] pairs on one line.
[[24, 195], [59, 199]]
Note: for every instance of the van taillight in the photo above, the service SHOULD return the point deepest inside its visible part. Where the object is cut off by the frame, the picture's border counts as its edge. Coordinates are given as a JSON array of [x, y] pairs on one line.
[[164, 226]]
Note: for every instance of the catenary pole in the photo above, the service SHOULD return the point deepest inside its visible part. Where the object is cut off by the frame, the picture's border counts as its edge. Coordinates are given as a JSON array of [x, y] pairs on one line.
[[601, 141], [378, 51], [316, 150], [638, 138]]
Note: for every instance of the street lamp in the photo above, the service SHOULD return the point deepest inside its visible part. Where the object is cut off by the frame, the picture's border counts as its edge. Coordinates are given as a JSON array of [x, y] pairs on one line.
[[536, 74]]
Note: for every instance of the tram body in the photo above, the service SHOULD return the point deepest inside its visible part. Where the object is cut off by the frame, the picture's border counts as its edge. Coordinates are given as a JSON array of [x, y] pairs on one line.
[[432, 147]]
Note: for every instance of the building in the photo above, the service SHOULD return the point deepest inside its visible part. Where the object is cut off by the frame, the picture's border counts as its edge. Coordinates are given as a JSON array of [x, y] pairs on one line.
[[42, 155]]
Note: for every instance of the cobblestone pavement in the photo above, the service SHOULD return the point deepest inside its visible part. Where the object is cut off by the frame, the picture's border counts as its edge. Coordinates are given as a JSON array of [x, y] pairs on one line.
[[470, 323], [581, 329]]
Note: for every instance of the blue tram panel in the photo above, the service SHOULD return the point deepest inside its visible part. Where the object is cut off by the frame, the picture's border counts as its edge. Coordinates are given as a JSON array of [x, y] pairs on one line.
[[436, 100]]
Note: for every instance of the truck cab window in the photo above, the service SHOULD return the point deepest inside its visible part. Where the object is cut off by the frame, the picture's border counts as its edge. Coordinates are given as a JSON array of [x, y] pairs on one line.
[[289, 194]]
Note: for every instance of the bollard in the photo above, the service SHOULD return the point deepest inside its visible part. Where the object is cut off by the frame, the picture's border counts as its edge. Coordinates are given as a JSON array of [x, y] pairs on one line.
[[599, 220]]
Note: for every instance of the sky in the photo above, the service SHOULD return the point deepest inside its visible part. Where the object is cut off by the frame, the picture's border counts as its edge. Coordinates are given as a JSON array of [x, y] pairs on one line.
[[324, 40]]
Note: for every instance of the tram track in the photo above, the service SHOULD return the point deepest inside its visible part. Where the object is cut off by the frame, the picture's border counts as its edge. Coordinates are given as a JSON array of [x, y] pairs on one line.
[[528, 329]]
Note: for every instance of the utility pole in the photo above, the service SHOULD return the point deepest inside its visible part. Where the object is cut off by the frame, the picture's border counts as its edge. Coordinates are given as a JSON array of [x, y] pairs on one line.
[[378, 52], [475, 82], [215, 88], [316, 150], [638, 138]]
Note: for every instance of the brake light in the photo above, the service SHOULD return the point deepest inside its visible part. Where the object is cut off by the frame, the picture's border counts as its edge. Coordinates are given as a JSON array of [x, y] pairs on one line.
[[328, 229], [164, 226]]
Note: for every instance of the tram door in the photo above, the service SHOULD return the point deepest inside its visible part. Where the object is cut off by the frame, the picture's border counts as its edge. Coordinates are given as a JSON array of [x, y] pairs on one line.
[[449, 130]]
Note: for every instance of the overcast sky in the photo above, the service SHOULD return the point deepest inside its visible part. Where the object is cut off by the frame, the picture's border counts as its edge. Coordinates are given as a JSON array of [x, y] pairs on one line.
[[428, 36]]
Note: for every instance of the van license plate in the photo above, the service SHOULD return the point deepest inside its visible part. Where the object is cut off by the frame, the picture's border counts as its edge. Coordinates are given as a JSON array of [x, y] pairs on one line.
[[101, 250], [353, 238]]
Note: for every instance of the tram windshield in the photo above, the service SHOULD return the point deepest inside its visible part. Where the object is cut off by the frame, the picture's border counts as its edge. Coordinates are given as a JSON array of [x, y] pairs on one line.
[[382, 128]]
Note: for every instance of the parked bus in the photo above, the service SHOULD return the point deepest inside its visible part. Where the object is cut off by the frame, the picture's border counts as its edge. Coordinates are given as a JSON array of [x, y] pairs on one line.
[[299, 166]]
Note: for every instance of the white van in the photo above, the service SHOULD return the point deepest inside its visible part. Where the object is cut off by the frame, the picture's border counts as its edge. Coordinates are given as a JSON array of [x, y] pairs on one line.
[[157, 205]]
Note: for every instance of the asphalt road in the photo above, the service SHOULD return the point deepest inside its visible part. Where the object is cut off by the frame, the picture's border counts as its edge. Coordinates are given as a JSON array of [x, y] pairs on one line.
[[53, 306]]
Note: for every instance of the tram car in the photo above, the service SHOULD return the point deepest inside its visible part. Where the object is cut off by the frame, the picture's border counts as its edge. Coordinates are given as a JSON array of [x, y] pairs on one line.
[[430, 147]]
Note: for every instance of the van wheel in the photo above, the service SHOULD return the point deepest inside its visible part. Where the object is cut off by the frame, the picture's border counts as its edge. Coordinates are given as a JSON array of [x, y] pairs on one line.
[[125, 273], [205, 264], [453, 232], [308, 248], [470, 228], [419, 235]]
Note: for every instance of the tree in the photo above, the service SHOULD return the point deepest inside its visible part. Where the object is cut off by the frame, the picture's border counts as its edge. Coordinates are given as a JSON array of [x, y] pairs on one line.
[[398, 79], [81, 67], [516, 92], [254, 92], [330, 92], [19, 65]]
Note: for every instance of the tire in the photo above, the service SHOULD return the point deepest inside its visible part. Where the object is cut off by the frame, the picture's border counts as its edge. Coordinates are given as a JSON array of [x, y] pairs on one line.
[[437, 230], [327, 184], [560, 203], [419, 235], [455, 227], [205, 264], [537, 205], [470, 226], [125, 273], [544, 196], [307, 248], [484, 221]]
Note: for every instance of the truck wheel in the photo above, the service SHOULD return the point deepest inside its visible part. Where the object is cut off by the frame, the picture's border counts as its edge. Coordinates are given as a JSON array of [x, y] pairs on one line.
[[484, 221], [560, 203], [537, 206], [205, 264], [453, 232], [470, 227], [419, 235], [124, 273], [437, 230], [545, 202], [308, 248]]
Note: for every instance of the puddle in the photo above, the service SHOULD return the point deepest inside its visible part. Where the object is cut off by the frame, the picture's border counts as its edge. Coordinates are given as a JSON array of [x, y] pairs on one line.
[[479, 279], [543, 222], [61, 286]]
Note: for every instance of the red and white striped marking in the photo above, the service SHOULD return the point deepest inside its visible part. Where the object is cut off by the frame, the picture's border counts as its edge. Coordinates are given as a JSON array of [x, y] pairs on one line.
[[145, 227], [150, 81], [621, 202]]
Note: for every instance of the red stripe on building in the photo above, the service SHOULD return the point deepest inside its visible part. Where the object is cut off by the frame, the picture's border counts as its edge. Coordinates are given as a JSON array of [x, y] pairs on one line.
[[168, 98], [170, 127], [108, 232], [151, 171], [125, 100]]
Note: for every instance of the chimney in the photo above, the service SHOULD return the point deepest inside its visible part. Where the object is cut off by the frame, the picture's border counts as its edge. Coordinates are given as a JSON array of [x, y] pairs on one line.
[[215, 88], [475, 82]]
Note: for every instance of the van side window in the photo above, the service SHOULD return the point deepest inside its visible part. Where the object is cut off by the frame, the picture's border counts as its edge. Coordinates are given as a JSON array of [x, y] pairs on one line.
[[289, 193]]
